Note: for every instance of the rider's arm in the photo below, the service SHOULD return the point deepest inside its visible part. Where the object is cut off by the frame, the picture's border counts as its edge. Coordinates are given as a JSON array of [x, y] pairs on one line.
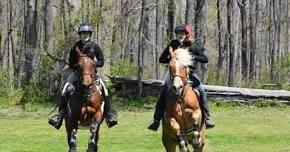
[[198, 53], [72, 58], [99, 56], [164, 57]]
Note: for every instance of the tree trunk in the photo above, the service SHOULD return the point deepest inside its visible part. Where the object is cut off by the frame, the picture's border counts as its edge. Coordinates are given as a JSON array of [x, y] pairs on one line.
[[288, 27], [31, 39], [272, 41], [279, 22], [49, 35], [63, 19], [171, 19], [1, 29], [199, 22], [230, 43], [10, 47], [220, 49], [199, 32], [143, 35], [158, 36], [244, 49], [253, 39], [189, 12]]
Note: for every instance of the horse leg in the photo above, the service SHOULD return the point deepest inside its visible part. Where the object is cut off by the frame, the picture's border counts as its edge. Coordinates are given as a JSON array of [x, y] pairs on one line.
[[71, 135], [176, 128], [94, 133], [202, 142], [168, 143], [197, 141]]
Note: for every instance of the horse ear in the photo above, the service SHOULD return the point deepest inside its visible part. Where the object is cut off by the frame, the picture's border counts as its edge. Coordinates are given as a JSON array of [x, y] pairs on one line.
[[171, 52], [91, 53]]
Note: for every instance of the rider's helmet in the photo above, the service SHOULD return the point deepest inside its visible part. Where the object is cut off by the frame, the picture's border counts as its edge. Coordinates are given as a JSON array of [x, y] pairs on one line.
[[184, 28], [85, 27], [85, 31]]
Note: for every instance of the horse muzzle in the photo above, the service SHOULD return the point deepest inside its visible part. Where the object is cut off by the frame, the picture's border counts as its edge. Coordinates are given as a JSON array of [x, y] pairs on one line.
[[177, 89]]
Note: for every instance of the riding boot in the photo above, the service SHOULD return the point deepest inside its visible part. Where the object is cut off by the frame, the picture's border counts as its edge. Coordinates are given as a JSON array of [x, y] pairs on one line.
[[209, 123], [56, 120], [111, 118], [159, 110]]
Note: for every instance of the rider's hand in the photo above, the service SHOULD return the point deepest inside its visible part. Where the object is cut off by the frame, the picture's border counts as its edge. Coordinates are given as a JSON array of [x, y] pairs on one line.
[[76, 66], [174, 44]]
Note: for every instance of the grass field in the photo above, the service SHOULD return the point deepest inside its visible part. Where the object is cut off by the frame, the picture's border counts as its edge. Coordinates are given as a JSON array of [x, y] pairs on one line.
[[238, 129]]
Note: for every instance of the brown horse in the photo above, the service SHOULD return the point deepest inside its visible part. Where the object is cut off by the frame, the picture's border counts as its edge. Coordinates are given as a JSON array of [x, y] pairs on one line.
[[182, 122], [85, 104]]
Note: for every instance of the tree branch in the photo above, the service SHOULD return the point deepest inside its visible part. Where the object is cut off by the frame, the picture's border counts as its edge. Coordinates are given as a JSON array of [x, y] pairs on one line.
[[57, 59]]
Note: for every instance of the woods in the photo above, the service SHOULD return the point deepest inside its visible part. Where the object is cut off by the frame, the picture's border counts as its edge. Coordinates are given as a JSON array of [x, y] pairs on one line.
[[246, 41]]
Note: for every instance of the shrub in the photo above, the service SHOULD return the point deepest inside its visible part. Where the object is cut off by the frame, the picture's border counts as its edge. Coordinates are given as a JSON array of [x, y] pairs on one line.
[[124, 68]]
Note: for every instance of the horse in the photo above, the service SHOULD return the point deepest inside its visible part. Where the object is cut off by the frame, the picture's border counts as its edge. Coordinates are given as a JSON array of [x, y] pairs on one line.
[[85, 104], [182, 122]]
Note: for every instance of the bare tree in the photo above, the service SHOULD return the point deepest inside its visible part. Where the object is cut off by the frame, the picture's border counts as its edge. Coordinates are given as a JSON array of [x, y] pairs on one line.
[[143, 36], [10, 46], [244, 48], [171, 18], [253, 38], [189, 12], [272, 38], [49, 26], [199, 32], [31, 39], [1, 25], [158, 37], [220, 49], [230, 45], [288, 27]]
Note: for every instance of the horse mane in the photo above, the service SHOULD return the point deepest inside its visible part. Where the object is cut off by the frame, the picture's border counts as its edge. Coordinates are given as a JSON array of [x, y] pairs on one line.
[[183, 57]]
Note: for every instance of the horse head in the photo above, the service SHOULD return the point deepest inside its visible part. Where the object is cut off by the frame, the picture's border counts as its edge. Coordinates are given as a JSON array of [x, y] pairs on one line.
[[179, 70], [87, 68]]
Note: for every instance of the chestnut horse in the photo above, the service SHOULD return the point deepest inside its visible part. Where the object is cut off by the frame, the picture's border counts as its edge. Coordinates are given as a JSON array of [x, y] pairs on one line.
[[182, 122], [85, 104]]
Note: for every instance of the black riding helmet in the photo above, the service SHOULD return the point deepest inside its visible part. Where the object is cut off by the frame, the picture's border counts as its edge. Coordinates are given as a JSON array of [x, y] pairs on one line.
[[85, 27], [183, 28]]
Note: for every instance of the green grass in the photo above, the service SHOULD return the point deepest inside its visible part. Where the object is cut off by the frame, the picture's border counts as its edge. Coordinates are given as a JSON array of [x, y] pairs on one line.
[[238, 129]]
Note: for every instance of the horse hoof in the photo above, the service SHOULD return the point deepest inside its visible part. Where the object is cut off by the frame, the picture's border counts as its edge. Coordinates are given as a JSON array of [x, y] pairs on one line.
[[91, 149], [73, 149]]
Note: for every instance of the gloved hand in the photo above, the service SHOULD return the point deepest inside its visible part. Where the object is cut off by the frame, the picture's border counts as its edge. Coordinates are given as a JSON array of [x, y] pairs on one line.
[[175, 44], [76, 66]]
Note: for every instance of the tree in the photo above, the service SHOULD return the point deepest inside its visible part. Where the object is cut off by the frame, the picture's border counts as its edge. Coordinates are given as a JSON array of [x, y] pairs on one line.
[[220, 49], [158, 37], [253, 38], [171, 18], [244, 49], [10, 46], [31, 39], [230, 45], [1, 22], [199, 32], [49, 26], [143, 36], [288, 27], [189, 14]]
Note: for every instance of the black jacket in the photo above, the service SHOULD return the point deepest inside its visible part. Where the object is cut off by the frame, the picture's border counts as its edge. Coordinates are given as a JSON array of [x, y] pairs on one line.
[[196, 51], [98, 53]]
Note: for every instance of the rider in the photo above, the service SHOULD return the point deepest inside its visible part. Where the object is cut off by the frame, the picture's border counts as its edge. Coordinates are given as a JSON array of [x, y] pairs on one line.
[[183, 40], [84, 44]]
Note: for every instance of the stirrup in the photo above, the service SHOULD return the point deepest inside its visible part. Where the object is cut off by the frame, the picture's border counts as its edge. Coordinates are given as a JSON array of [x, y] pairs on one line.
[[111, 120], [209, 125], [55, 121]]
